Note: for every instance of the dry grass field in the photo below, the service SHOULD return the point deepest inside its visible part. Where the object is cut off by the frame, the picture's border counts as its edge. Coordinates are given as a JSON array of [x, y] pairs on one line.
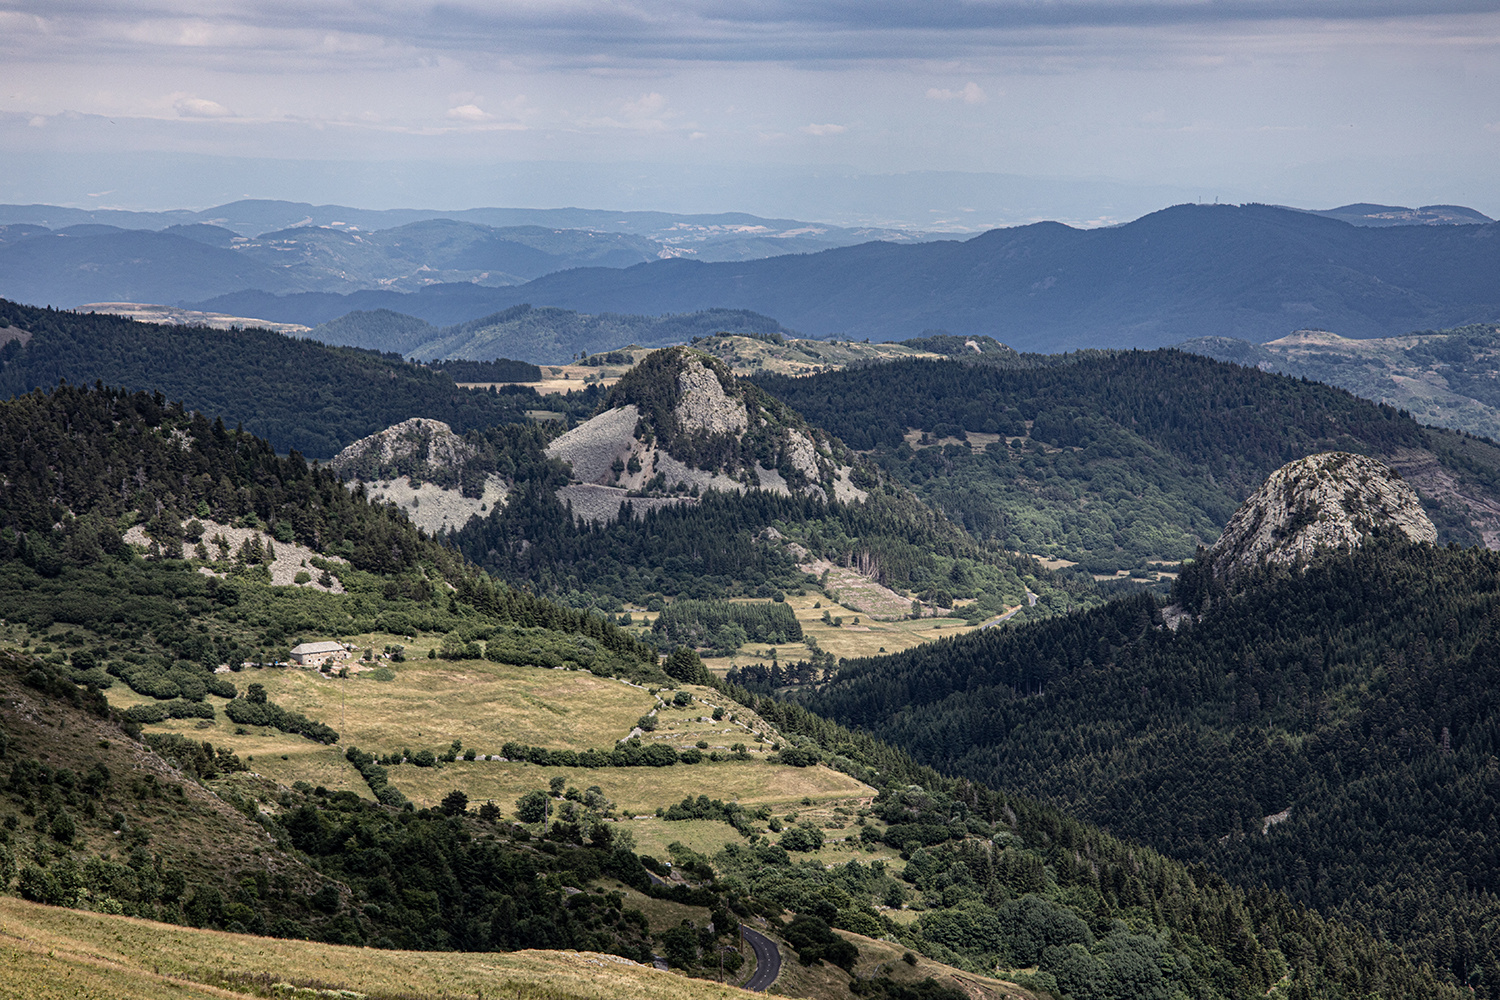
[[633, 790], [752, 356], [884, 958], [868, 638], [429, 704], [50, 952], [569, 378]]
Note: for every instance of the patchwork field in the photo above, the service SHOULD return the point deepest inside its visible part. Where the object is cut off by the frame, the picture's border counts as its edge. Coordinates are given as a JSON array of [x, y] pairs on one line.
[[867, 637]]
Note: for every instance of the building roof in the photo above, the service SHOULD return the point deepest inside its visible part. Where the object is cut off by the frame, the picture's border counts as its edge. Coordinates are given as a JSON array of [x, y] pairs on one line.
[[314, 648]]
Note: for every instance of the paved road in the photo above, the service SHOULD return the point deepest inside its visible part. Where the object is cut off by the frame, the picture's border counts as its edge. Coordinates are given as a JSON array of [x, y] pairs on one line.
[[767, 960]]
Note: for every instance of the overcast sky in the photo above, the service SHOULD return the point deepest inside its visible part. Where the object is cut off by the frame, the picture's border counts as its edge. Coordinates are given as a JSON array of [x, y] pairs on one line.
[[934, 113]]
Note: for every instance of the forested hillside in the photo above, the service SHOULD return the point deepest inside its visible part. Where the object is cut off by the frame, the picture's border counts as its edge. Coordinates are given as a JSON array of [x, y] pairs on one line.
[[1442, 377], [729, 538], [1115, 460], [1000, 880], [718, 547], [299, 394], [1331, 734]]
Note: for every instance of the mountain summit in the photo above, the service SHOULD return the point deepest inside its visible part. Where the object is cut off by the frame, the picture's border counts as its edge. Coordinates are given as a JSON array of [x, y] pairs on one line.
[[1326, 501]]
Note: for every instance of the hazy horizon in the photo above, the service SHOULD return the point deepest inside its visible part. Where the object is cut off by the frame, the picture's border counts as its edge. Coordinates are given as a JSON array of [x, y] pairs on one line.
[[960, 114]]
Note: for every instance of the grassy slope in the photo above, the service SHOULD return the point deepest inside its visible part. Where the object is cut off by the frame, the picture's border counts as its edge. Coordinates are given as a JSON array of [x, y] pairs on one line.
[[52, 952], [60, 952], [188, 825], [431, 703]]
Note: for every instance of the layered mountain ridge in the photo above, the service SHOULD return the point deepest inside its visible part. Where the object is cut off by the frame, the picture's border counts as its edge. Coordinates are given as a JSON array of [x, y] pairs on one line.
[[1253, 271]]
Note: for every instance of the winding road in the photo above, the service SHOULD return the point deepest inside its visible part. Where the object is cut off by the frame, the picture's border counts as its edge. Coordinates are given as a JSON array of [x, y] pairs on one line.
[[767, 960]]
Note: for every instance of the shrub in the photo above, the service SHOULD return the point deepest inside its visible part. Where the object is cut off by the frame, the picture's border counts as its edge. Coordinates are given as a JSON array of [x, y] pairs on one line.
[[815, 942], [532, 807], [802, 837], [63, 829]]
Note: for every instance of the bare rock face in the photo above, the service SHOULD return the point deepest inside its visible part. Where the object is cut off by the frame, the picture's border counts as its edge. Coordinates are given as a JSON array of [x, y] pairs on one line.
[[419, 447], [1323, 502], [595, 445], [702, 404]]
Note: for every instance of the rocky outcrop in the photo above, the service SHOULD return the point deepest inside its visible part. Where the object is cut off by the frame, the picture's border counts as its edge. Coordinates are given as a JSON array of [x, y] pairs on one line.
[[422, 466], [681, 424], [425, 450], [596, 445], [1330, 501], [702, 405]]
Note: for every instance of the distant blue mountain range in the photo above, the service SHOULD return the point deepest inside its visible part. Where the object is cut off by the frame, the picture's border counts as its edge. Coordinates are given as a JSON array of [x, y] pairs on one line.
[[1254, 272]]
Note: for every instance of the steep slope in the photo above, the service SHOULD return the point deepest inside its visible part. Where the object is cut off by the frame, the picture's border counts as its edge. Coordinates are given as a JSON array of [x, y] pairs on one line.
[[679, 422]]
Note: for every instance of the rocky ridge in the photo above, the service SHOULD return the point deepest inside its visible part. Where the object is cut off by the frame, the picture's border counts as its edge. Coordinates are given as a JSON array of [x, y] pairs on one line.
[[1330, 501]]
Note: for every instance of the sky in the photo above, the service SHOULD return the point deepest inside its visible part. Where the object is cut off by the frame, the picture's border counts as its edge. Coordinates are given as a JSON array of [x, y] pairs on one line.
[[941, 114]]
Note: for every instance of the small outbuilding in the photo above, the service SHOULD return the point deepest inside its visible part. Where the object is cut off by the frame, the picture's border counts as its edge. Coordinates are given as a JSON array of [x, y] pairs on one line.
[[308, 653]]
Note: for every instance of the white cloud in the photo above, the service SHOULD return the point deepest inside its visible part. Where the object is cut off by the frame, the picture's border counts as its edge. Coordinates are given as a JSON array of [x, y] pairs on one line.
[[829, 129], [37, 121], [646, 106], [972, 93], [198, 107], [469, 113]]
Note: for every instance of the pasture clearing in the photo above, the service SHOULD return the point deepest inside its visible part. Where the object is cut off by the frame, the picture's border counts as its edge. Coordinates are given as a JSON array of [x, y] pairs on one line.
[[428, 705]]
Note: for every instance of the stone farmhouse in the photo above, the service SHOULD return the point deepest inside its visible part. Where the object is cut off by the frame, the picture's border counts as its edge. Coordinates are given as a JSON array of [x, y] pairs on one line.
[[310, 653]]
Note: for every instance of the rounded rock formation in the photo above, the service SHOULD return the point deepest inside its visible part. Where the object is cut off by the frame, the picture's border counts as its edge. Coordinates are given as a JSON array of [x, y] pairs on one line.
[[1330, 501]]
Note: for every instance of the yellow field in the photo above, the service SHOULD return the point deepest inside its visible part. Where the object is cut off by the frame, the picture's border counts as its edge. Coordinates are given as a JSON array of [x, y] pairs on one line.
[[868, 638], [50, 952], [633, 790], [428, 705]]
